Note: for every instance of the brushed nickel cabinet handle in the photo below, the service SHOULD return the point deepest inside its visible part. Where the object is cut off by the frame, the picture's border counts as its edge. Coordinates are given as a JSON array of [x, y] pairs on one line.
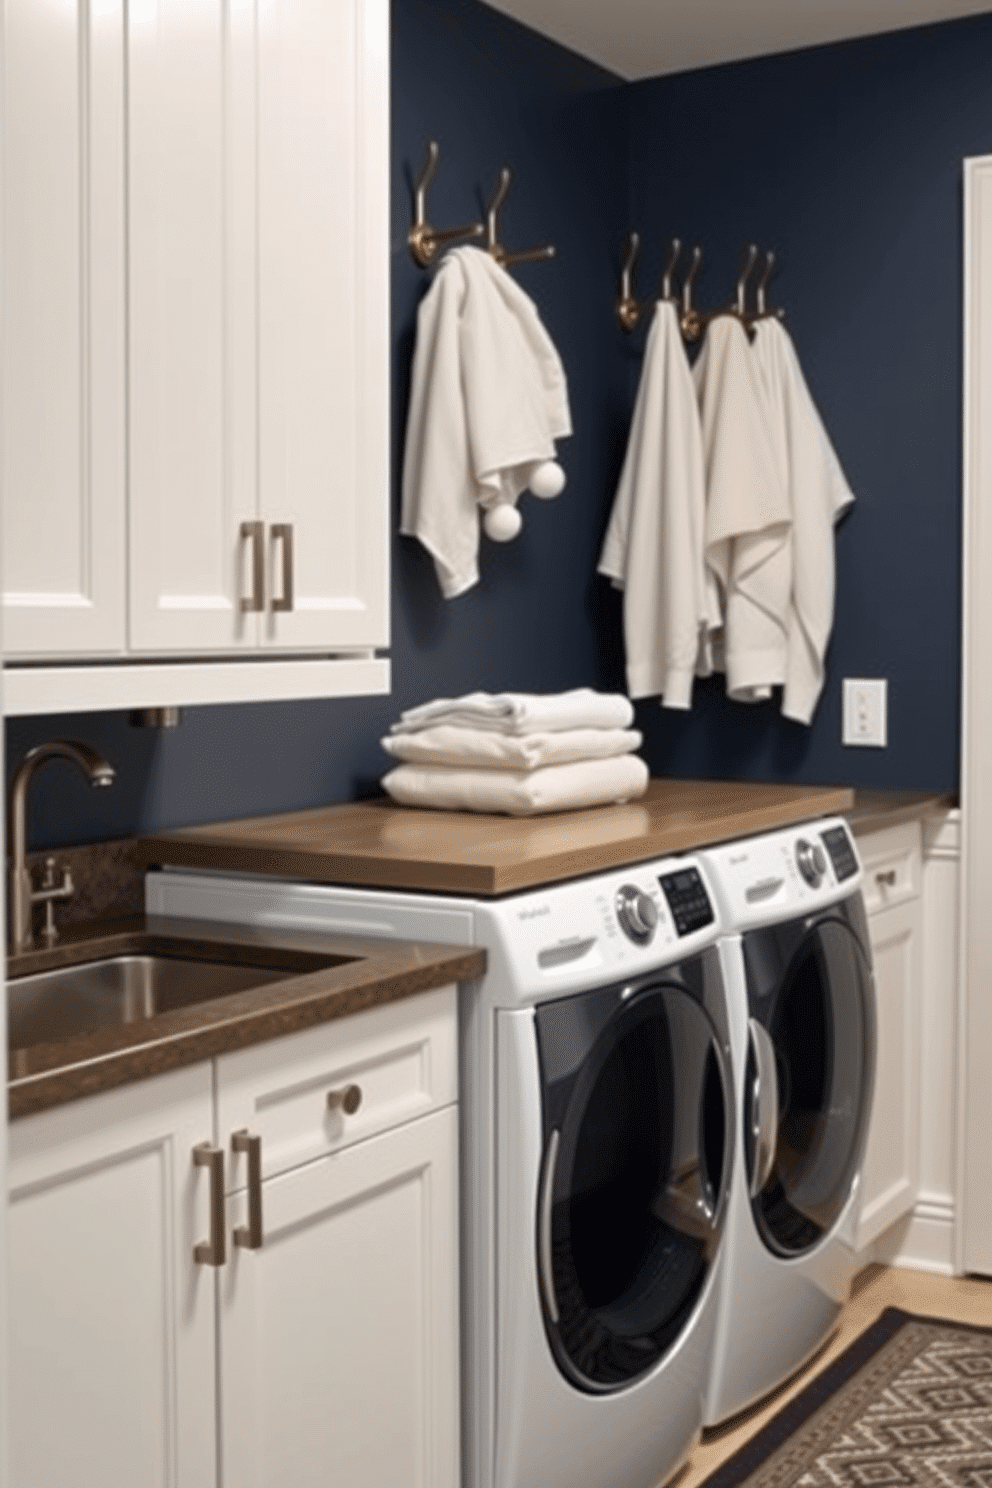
[[255, 532], [283, 532], [347, 1099], [212, 1252], [249, 1236], [888, 877]]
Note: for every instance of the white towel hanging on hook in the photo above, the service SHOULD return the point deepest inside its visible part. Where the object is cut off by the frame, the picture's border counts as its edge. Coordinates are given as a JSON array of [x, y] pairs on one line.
[[748, 514], [488, 399]]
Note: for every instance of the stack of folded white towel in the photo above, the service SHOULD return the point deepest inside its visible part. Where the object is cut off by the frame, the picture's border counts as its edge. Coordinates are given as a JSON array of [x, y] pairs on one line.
[[516, 753]]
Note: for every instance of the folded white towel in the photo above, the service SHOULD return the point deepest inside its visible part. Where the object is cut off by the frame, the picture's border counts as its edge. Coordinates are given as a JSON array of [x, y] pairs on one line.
[[488, 399], [556, 788], [522, 712], [818, 493], [482, 748], [748, 516], [653, 548]]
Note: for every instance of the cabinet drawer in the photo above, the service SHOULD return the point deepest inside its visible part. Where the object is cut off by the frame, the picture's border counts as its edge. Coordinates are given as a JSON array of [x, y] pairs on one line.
[[402, 1058], [891, 861]]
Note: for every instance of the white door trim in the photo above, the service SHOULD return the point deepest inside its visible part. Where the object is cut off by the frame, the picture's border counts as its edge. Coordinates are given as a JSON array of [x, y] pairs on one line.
[[973, 1248]]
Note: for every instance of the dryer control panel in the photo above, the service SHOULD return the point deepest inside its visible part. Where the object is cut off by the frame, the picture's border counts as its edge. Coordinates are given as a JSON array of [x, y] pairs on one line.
[[766, 878]]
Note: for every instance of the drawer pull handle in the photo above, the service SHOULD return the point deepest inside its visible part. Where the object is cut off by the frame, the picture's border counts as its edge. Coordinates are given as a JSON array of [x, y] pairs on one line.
[[255, 533], [212, 1252], [283, 532], [887, 878], [249, 1236], [347, 1099]]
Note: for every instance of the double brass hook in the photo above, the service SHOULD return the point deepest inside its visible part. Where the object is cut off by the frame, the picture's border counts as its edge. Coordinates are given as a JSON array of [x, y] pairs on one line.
[[424, 240], [493, 244], [629, 307]]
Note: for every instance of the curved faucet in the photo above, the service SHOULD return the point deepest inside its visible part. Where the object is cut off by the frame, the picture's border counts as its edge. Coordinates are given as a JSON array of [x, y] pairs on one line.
[[98, 771]]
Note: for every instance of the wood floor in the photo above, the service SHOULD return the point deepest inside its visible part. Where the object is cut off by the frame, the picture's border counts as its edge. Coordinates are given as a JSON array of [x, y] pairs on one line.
[[966, 1299]]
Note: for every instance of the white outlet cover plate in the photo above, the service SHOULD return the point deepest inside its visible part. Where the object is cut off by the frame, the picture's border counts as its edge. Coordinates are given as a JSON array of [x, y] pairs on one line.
[[865, 712]]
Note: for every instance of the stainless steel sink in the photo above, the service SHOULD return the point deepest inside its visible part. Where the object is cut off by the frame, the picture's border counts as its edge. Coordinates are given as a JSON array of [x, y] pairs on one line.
[[49, 1007]]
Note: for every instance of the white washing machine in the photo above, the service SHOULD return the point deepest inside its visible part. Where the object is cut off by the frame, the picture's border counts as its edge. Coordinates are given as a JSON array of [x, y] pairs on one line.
[[597, 1142], [797, 968]]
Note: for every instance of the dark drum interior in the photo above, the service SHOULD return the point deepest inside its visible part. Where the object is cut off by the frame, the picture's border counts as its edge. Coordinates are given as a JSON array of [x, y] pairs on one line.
[[627, 1270], [819, 1023]]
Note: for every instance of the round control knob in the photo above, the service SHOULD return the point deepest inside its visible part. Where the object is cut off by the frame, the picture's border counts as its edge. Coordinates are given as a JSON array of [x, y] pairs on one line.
[[812, 864], [637, 913]]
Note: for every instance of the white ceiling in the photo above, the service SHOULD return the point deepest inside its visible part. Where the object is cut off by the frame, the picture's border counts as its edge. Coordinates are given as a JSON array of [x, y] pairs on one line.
[[644, 38]]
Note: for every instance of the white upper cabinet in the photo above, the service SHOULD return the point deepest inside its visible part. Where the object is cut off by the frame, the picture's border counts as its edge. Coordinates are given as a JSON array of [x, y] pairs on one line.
[[192, 346], [249, 519], [323, 335], [62, 349]]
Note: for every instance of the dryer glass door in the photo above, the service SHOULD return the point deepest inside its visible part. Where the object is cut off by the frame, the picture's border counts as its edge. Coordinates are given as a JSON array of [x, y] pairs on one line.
[[809, 1077], [630, 1204]]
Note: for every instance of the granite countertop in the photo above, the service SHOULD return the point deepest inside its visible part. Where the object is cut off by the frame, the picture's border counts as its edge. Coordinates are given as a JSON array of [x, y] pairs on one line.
[[321, 977]]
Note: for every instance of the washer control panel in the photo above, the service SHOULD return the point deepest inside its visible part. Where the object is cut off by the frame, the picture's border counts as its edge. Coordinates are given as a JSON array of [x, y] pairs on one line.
[[687, 899], [637, 913], [811, 861], [627, 922]]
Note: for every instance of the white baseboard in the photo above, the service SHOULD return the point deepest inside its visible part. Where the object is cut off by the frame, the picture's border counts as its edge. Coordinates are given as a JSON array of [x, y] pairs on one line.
[[923, 1240]]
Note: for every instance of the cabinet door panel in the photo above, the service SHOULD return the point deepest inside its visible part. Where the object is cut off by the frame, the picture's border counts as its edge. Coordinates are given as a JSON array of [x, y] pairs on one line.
[[890, 1173], [323, 316], [339, 1336], [111, 1324], [192, 328], [62, 374]]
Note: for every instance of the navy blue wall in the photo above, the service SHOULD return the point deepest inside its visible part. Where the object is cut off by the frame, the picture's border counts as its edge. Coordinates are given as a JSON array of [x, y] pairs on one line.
[[492, 93], [847, 160]]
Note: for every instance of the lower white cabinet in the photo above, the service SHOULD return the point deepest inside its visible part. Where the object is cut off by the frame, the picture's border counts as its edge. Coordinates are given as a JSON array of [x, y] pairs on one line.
[[892, 863], [274, 1304], [111, 1323], [337, 1335]]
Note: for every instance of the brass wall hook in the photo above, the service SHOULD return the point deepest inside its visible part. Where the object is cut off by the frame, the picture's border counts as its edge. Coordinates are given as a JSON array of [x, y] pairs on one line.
[[493, 244], [666, 278], [750, 258], [422, 239], [629, 308], [691, 321], [764, 310]]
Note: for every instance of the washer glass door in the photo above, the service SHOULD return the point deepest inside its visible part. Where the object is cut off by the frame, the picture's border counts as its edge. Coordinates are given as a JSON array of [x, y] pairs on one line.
[[636, 1125], [809, 1077]]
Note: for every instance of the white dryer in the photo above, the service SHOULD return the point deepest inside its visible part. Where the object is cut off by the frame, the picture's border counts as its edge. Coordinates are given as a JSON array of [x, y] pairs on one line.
[[797, 968], [597, 1133]]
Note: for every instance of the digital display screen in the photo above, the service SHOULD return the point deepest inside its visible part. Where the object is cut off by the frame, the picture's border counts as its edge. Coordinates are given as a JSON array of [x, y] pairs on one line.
[[687, 899], [838, 845]]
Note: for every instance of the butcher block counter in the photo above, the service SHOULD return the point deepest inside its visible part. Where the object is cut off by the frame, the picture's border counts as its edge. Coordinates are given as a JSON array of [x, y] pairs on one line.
[[376, 843]]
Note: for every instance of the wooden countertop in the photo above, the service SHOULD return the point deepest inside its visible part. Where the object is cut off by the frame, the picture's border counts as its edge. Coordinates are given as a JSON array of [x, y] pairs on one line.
[[320, 978], [378, 843]]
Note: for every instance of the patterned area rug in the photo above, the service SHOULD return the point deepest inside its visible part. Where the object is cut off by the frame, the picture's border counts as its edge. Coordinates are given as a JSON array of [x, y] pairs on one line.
[[908, 1405]]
